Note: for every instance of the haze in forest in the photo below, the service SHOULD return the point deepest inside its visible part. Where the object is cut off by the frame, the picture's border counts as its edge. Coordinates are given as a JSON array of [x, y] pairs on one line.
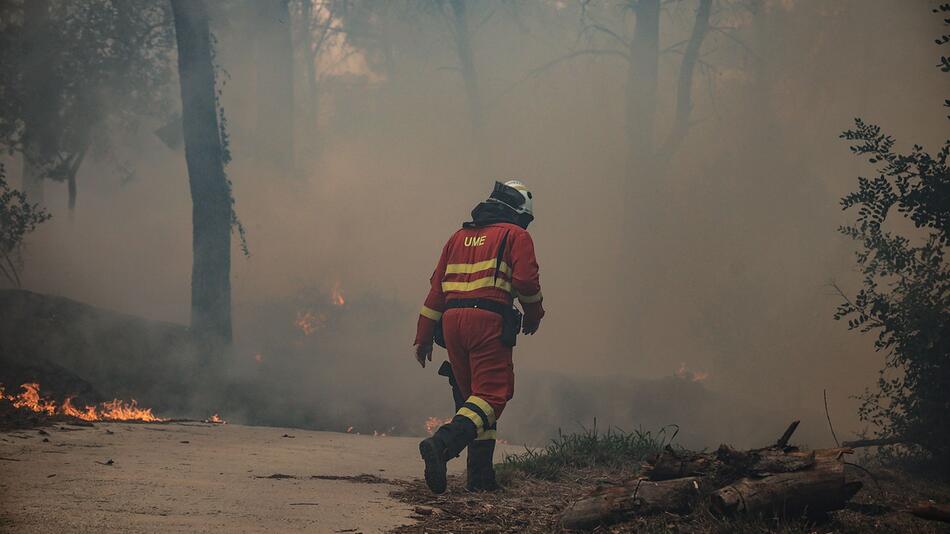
[[709, 286]]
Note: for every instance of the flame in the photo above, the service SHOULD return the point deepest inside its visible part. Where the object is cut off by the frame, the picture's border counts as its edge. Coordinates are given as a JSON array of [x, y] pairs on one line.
[[216, 419], [114, 410], [336, 295], [89, 414], [309, 322], [692, 376], [30, 398], [349, 429], [433, 423]]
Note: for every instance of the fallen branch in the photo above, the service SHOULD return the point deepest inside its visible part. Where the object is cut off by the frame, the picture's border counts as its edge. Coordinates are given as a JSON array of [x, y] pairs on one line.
[[787, 435], [635, 498], [872, 442]]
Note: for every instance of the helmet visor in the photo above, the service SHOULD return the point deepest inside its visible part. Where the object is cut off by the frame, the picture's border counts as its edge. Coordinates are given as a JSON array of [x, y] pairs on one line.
[[508, 195]]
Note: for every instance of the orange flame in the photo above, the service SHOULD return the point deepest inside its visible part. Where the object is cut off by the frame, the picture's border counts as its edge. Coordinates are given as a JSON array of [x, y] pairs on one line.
[[433, 423], [309, 322], [114, 410], [30, 398], [216, 419], [336, 295], [89, 414], [692, 376]]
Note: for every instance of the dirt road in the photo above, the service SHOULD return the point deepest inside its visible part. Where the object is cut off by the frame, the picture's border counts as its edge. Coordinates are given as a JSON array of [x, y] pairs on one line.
[[118, 477]]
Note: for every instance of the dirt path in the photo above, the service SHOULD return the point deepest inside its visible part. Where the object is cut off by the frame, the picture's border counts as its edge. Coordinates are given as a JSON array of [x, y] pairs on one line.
[[199, 477]]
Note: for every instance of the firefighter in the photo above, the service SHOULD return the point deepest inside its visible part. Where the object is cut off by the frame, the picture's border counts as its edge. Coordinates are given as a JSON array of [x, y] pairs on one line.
[[484, 266]]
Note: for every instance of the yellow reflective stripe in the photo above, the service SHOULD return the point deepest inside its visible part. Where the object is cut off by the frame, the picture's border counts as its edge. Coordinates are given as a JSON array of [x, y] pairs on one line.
[[430, 313], [477, 419], [486, 434], [469, 268], [488, 281], [485, 408], [529, 299]]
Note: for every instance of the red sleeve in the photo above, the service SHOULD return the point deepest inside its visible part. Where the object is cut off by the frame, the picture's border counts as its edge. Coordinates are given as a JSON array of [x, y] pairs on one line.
[[434, 304], [525, 278]]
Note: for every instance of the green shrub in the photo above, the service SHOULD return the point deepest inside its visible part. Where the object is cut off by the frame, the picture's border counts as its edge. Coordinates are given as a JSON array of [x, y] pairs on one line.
[[17, 218]]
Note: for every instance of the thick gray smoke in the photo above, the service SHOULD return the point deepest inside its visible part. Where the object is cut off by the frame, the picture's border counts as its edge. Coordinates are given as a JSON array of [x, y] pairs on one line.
[[719, 320]]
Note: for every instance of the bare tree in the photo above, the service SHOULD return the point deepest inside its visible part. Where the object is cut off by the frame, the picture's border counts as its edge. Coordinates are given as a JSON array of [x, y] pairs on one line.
[[463, 46], [640, 51], [210, 190], [275, 82], [318, 29]]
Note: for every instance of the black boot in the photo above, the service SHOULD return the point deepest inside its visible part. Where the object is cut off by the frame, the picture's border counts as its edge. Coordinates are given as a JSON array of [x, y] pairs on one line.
[[447, 442], [481, 468]]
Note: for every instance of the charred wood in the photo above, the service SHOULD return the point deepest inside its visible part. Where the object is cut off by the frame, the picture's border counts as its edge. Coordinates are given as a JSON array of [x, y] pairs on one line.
[[634, 498]]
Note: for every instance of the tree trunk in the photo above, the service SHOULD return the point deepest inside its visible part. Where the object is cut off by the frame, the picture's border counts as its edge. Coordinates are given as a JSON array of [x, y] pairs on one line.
[[640, 114], [684, 89], [315, 44], [636, 497], [463, 45], [210, 191], [819, 488], [641, 225], [41, 102], [32, 177], [274, 62], [72, 169]]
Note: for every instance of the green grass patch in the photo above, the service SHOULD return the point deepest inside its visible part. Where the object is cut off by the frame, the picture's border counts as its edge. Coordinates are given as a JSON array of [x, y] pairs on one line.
[[588, 448]]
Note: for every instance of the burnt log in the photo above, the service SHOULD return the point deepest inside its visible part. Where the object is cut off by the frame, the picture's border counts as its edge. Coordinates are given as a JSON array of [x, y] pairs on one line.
[[771, 461], [671, 464], [819, 488], [636, 497], [729, 462]]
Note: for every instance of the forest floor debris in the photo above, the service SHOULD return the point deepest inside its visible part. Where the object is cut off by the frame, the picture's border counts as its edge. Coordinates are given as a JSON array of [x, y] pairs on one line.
[[541, 485], [528, 504]]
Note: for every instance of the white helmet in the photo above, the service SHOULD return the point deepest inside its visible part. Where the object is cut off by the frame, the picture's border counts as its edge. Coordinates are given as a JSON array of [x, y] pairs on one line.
[[515, 195]]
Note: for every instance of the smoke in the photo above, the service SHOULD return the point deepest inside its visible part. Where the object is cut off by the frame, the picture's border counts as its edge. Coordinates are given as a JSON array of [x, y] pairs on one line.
[[734, 284]]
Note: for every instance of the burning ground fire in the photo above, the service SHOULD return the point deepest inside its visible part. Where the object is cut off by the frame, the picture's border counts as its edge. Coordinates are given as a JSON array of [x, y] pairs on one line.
[[309, 321], [692, 376], [114, 410], [433, 423], [336, 295]]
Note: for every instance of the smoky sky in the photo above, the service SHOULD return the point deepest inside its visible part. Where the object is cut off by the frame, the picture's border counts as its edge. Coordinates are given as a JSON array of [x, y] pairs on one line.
[[740, 274]]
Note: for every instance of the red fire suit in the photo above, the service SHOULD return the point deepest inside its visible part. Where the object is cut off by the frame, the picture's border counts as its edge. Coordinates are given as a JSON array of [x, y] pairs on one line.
[[495, 262]]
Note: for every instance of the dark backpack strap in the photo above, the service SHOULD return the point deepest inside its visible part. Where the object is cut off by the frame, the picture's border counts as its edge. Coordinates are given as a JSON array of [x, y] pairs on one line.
[[501, 254]]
